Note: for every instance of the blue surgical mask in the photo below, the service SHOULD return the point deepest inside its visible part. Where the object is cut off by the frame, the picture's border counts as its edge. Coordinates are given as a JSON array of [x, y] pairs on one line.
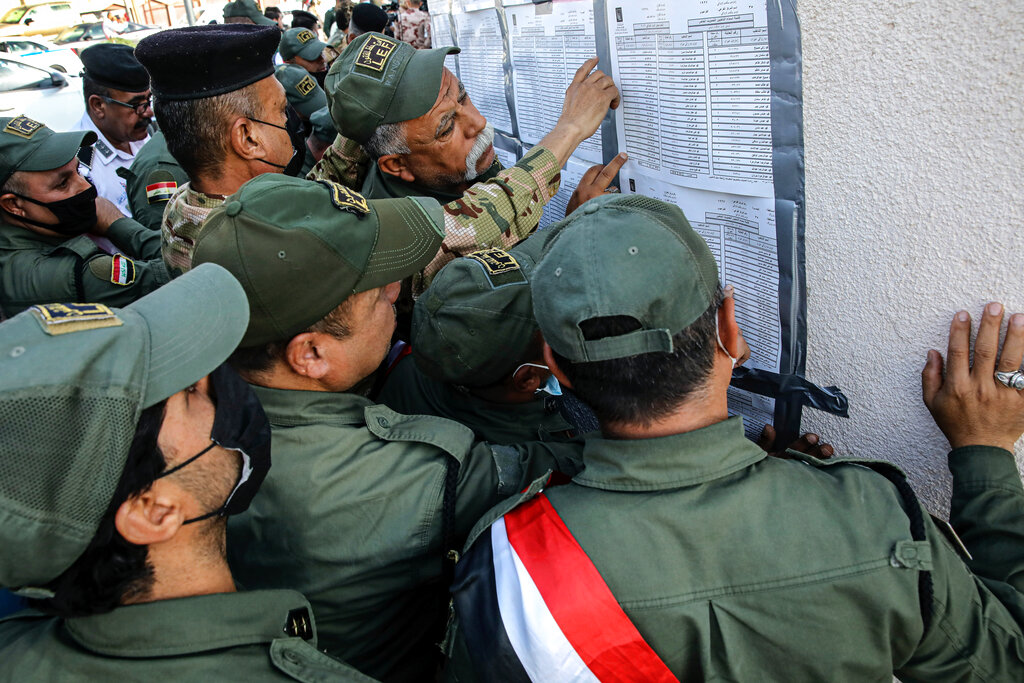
[[551, 387]]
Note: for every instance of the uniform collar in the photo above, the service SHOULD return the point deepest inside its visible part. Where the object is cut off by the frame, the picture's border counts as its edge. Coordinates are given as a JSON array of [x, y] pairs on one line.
[[197, 624], [668, 462], [380, 185], [17, 237], [104, 150], [294, 407]]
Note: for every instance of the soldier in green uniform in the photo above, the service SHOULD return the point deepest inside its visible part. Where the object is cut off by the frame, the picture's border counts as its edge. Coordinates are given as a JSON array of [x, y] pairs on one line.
[[121, 457], [476, 351], [151, 181], [683, 552], [224, 117], [321, 137], [364, 504], [408, 120], [246, 12], [300, 47], [48, 213], [305, 98]]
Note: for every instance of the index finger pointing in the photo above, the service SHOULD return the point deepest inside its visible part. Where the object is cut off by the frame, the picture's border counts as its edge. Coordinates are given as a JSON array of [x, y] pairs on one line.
[[584, 71], [608, 173]]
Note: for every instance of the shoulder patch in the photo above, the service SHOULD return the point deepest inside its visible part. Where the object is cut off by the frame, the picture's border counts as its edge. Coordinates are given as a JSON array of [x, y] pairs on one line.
[[64, 318], [304, 36], [118, 269], [305, 86], [375, 53], [345, 199], [495, 261], [23, 127], [160, 185], [102, 148]]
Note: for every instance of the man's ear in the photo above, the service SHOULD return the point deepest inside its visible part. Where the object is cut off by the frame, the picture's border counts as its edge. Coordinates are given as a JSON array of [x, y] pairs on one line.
[[728, 329], [11, 204], [304, 357], [246, 140], [549, 360], [96, 107], [528, 380], [153, 516], [395, 164]]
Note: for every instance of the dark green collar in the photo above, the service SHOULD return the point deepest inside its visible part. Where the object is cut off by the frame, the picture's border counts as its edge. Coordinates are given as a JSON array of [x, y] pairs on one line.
[[291, 407], [186, 625], [670, 461], [16, 237], [380, 185]]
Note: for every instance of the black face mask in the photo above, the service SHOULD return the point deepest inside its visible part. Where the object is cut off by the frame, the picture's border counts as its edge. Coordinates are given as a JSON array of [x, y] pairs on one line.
[[239, 425], [321, 78], [294, 128], [75, 215]]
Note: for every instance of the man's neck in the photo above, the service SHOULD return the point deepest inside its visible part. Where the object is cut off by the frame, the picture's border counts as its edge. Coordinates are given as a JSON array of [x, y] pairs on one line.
[[183, 568], [231, 177]]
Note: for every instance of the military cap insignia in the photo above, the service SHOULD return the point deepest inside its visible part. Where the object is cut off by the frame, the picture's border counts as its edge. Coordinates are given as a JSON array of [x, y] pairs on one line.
[[64, 318], [304, 36], [23, 127], [305, 86], [345, 199], [375, 52], [495, 261]]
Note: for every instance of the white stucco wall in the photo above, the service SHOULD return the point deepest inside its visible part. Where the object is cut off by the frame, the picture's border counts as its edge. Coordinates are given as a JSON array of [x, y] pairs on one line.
[[914, 134]]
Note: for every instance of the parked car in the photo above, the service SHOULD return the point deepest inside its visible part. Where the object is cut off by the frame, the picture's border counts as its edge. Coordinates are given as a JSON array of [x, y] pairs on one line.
[[81, 36], [39, 52], [45, 95], [40, 19]]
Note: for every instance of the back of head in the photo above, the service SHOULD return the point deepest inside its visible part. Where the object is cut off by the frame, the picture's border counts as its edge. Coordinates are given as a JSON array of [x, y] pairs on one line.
[[626, 295], [246, 11], [304, 19], [75, 381], [367, 18], [474, 325]]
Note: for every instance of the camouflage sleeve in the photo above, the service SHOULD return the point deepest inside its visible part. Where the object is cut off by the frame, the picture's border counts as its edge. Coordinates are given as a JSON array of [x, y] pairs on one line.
[[344, 162], [498, 213]]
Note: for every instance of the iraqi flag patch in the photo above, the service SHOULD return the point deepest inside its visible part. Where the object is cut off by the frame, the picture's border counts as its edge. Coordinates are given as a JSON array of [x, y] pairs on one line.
[[160, 192], [122, 270]]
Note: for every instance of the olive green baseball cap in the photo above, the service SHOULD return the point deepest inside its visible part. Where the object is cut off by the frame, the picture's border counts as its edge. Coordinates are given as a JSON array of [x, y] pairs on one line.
[[74, 379], [622, 255], [475, 323], [323, 125], [303, 93], [27, 145], [301, 247], [248, 9], [382, 80], [301, 42]]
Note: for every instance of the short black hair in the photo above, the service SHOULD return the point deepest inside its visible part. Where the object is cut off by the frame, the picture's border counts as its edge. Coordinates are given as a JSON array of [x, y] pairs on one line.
[[643, 388], [257, 359], [303, 19], [111, 569], [90, 88], [272, 13]]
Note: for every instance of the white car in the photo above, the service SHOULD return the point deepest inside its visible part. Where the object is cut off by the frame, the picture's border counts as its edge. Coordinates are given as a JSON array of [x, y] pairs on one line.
[[40, 19], [41, 53], [42, 94]]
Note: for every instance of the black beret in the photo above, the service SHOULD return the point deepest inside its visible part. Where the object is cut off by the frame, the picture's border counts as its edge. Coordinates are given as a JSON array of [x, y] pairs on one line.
[[203, 61], [305, 19], [369, 18], [113, 65]]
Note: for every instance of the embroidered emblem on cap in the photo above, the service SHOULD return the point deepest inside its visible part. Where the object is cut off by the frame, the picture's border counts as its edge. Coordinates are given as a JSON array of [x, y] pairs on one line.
[[160, 192], [495, 261], [304, 36], [122, 270], [64, 318], [346, 199], [375, 53], [305, 86], [23, 127]]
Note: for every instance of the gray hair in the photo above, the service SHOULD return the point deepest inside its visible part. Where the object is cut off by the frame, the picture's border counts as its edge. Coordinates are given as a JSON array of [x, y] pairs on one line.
[[196, 130], [389, 138], [15, 184]]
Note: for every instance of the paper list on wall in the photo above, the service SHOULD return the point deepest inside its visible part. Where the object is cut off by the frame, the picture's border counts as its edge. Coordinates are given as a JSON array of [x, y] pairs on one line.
[[481, 68], [546, 51], [506, 157], [696, 99], [740, 232], [440, 24], [554, 210]]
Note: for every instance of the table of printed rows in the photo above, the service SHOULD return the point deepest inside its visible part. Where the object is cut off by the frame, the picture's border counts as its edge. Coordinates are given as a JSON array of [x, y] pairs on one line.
[[543, 67], [482, 72], [675, 84], [749, 262]]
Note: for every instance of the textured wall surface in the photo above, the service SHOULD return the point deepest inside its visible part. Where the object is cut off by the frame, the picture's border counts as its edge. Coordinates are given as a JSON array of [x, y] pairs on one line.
[[914, 150]]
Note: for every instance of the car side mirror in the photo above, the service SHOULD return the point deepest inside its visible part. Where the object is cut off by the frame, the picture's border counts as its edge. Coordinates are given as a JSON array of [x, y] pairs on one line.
[[29, 21], [58, 80]]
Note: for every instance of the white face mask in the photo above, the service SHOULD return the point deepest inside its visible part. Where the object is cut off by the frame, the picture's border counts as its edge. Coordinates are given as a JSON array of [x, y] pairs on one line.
[[718, 336], [551, 387]]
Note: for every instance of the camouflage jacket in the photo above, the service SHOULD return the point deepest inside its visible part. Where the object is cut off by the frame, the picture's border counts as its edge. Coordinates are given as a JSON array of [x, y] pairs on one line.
[[414, 28], [183, 220], [500, 212]]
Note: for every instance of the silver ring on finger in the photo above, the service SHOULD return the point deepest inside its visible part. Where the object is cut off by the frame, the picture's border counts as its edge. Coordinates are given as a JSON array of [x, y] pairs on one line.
[[1014, 380]]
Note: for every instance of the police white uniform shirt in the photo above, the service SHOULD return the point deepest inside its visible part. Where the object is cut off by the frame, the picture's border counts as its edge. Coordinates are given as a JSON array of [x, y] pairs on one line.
[[106, 159]]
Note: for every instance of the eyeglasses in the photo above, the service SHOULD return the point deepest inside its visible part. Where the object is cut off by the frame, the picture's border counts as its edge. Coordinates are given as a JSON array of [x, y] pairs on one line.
[[139, 107]]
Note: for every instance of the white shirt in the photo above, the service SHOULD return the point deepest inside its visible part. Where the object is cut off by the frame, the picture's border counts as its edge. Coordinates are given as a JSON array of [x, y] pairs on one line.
[[106, 159]]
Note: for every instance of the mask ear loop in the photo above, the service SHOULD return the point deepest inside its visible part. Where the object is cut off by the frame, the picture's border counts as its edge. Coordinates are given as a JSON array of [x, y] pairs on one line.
[[718, 337]]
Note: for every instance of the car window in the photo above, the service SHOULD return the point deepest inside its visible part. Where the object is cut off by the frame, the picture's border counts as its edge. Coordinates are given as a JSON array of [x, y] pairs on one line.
[[95, 32], [72, 34], [20, 47], [15, 76], [14, 16]]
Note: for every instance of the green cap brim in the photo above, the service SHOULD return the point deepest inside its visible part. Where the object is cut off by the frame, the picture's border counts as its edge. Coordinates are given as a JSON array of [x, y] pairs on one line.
[[411, 232], [56, 150], [311, 50], [261, 20], [423, 74], [195, 322], [316, 101]]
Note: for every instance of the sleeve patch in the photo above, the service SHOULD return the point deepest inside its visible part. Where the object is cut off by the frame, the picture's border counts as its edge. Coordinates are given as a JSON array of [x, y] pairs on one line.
[[495, 261], [345, 199], [158, 193], [118, 269], [64, 318]]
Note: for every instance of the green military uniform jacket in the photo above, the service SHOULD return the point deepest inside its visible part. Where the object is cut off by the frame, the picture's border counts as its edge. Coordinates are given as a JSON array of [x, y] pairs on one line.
[[257, 636], [410, 392], [735, 566], [151, 179], [351, 514], [36, 269]]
